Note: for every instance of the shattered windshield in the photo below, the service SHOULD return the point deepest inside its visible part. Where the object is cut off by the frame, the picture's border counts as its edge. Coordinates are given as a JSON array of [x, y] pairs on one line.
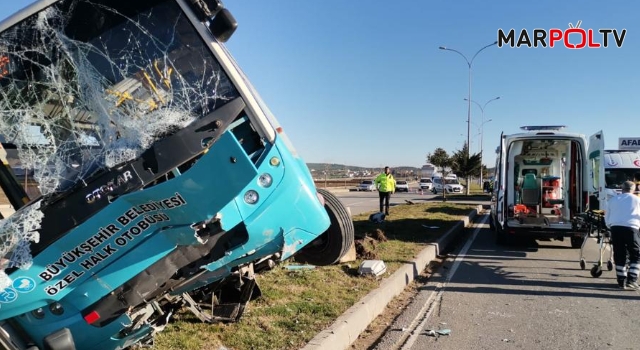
[[87, 85]]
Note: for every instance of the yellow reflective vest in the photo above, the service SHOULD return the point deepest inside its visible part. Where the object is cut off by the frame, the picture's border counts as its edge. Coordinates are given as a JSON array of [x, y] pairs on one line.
[[385, 183]]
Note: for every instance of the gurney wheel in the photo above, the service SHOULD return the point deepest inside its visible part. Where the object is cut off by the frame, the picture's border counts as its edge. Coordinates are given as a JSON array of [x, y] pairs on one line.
[[596, 271], [583, 265], [609, 265]]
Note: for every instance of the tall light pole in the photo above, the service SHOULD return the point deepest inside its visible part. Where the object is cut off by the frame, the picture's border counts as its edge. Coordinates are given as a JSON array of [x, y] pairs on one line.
[[482, 128], [469, 63]]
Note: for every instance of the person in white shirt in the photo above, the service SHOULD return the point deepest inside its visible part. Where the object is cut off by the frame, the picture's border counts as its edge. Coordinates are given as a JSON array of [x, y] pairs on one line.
[[623, 219]]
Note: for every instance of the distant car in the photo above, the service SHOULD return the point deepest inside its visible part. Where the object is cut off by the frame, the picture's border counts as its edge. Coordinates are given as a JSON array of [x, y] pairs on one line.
[[426, 184], [402, 186], [366, 185], [451, 185]]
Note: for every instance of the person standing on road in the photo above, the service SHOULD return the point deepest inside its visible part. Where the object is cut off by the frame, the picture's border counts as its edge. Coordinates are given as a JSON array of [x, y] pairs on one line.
[[623, 219], [386, 185]]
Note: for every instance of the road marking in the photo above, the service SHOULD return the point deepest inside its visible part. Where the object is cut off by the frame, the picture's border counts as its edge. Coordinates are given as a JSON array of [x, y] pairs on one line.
[[436, 295]]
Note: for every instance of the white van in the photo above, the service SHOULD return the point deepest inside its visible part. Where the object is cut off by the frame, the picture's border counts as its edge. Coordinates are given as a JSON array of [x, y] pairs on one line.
[[543, 179], [450, 184], [619, 166]]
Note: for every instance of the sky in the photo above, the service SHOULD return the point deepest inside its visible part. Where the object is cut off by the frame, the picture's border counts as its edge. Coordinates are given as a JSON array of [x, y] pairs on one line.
[[363, 82]]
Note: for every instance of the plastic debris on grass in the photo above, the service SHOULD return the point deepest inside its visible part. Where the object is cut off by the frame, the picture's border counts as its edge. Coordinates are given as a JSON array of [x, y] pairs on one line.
[[372, 268]]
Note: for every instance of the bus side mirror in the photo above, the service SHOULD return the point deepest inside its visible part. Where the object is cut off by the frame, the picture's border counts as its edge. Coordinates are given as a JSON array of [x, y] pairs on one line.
[[223, 25], [218, 19]]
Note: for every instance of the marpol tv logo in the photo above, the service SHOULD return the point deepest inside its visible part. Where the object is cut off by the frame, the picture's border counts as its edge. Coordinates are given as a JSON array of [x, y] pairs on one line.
[[573, 37]]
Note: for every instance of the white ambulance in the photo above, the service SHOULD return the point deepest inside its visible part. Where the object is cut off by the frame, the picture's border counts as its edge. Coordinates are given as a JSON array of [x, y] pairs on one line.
[[544, 177], [619, 166]]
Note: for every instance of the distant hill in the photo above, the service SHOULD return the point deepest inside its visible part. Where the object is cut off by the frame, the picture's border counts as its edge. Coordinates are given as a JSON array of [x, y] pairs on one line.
[[333, 170], [337, 167]]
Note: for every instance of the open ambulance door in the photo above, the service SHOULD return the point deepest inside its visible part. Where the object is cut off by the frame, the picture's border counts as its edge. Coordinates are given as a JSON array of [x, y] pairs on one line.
[[500, 183], [595, 167]]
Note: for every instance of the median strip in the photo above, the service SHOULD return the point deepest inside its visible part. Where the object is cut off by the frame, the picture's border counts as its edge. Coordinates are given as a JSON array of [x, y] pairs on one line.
[[311, 308]]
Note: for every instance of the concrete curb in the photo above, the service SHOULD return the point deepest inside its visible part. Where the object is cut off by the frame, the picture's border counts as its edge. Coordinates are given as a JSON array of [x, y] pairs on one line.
[[346, 329]]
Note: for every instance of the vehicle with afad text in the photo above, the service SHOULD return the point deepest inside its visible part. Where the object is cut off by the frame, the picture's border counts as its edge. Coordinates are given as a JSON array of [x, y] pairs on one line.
[[619, 166]]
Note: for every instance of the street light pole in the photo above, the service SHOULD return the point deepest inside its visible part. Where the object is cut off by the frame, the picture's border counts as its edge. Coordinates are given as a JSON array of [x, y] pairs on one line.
[[482, 129], [469, 63]]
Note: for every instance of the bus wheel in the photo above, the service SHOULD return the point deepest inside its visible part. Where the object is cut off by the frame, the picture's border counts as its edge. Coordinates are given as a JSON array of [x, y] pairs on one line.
[[336, 241]]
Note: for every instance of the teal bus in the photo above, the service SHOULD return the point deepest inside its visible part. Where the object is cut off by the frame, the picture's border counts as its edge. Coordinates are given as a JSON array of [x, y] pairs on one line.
[[141, 173]]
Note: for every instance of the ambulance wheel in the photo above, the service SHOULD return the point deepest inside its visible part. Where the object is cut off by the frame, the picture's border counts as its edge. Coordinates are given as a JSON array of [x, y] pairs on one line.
[[596, 271], [583, 264], [576, 242], [609, 265], [336, 241]]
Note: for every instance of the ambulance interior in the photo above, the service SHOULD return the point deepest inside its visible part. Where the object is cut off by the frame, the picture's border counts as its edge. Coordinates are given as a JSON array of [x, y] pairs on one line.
[[543, 181]]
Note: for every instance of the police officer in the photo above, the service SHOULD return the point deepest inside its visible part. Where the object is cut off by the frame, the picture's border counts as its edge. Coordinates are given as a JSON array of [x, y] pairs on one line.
[[386, 185], [623, 219]]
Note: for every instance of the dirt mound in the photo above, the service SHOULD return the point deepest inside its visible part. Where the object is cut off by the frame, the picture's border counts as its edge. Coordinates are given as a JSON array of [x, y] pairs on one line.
[[379, 236], [365, 247]]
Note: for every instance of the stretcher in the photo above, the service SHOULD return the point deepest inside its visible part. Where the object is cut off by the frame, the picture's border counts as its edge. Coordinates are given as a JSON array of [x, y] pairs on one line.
[[593, 225]]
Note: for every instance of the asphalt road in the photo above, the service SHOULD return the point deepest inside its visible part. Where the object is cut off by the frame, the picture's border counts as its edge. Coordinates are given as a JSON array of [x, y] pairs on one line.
[[532, 295], [359, 202]]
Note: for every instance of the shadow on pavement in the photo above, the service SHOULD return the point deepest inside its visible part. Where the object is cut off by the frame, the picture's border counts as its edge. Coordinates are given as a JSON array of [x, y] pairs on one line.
[[491, 269]]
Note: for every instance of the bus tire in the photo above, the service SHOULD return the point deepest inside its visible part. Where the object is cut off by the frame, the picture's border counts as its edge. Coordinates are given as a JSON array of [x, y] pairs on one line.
[[336, 241]]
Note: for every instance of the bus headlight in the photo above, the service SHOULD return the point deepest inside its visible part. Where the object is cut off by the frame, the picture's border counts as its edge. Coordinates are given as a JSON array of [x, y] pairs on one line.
[[274, 161], [251, 197], [56, 308], [38, 313], [265, 180]]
